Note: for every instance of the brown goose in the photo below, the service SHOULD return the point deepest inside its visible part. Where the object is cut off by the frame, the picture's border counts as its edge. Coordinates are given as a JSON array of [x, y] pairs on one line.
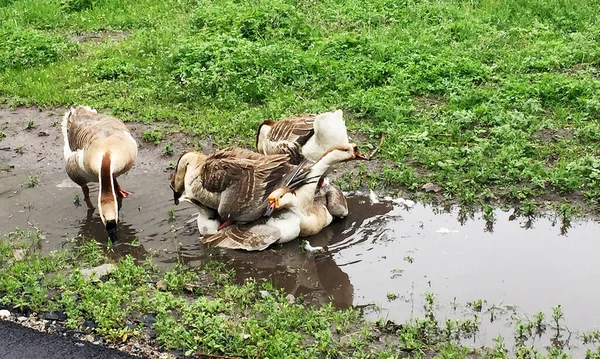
[[98, 148], [302, 136], [284, 226], [234, 181]]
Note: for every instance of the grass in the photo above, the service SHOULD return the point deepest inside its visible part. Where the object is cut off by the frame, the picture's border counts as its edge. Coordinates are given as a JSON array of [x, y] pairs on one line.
[[492, 101], [202, 311]]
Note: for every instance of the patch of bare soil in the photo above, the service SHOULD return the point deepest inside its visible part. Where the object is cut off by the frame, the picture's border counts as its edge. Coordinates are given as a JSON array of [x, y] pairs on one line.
[[550, 135], [100, 36], [33, 141]]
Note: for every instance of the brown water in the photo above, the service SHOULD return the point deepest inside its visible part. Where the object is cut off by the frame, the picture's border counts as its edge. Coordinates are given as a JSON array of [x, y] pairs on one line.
[[520, 265]]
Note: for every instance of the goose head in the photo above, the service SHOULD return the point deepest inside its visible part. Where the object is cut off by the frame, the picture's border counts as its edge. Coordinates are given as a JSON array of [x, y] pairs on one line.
[[178, 177], [282, 197], [342, 153]]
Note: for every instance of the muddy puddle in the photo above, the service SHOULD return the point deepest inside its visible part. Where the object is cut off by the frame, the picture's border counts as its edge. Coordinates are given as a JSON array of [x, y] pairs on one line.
[[384, 254]]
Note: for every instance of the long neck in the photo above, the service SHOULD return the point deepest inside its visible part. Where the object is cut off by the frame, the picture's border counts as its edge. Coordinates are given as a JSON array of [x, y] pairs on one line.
[[107, 195], [311, 219], [317, 170], [324, 163], [179, 176]]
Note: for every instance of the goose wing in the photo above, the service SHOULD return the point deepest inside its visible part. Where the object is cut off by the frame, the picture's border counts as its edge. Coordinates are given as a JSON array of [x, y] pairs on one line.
[[244, 179], [290, 134], [249, 237]]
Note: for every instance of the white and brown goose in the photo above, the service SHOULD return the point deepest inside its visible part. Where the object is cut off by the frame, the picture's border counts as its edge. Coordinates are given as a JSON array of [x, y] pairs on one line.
[[98, 148], [234, 181], [302, 136], [300, 212], [283, 226]]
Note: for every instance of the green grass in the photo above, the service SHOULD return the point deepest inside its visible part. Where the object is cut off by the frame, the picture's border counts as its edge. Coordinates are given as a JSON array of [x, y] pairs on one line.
[[491, 100], [202, 310]]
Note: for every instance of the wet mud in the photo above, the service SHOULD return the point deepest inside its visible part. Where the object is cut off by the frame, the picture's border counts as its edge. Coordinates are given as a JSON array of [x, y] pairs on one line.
[[384, 255]]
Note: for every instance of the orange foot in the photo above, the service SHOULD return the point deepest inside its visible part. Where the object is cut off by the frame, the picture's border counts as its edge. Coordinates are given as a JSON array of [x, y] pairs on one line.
[[122, 193], [227, 223]]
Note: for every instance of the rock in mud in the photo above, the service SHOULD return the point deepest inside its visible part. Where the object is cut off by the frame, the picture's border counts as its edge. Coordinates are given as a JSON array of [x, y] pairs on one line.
[[60, 316], [96, 273], [89, 324], [162, 285], [43, 133], [431, 187], [147, 319], [4, 314]]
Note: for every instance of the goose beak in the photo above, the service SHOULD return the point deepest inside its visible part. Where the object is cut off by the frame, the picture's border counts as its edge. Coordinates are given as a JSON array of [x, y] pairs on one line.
[[270, 208], [176, 196], [360, 156], [111, 228]]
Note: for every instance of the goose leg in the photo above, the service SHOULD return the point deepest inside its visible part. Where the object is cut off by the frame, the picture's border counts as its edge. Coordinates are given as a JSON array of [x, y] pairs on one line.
[[121, 193], [86, 196]]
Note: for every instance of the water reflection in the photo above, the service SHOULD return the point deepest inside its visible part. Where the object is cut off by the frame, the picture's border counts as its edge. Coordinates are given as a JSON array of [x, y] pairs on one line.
[[380, 248]]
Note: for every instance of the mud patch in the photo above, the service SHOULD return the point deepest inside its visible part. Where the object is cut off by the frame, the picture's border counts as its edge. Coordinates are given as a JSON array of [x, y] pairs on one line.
[[385, 254], [550, 135], [100, 36]]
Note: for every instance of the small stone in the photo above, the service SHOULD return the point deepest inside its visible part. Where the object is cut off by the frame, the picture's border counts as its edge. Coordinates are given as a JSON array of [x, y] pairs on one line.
[[89, 324], [291, 299], [54, 316], [264, 294], [43, 133], [4, 314], [162, 285], [147, 319], [19, 254], [96, 273], [79, 344], [431, 187], [22, 319]]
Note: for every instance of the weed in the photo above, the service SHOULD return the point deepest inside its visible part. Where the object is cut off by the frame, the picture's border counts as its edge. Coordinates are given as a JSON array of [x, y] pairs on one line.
[[168, 150], [392, 296], [30, 125], [154, 136], [2, 135], [171, 214], [77, 200], [32, 180], [20, 150]]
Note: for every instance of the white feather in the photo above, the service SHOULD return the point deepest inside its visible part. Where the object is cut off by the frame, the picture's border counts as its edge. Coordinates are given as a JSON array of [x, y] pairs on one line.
[[67, 148], [330, 130]]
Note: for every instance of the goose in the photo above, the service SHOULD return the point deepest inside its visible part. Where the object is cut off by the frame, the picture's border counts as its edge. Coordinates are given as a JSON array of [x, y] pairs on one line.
[[98, 148], [187, 187], [296, 216], [302, 136], [234, 181], [307, 187], [284, 226]]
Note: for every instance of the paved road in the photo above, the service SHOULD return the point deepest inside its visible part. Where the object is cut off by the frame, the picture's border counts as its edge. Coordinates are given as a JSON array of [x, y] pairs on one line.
[[18, 342]]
